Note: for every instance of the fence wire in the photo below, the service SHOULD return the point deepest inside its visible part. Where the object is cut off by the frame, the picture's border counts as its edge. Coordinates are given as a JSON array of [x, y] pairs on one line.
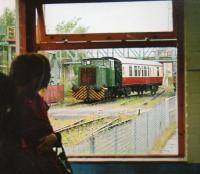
[[133, 137]]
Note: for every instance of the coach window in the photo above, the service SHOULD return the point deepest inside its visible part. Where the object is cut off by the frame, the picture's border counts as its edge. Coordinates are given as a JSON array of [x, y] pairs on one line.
[[158, 73], [152, 71], [74, 32], [154, 74], [148, 70], [142, 70], [123, 70], [135, 70], [130, 71], [145, 71], [139, 71]]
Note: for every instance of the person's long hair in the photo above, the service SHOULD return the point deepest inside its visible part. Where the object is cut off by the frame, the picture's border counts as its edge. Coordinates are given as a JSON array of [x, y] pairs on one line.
[[27, 68]]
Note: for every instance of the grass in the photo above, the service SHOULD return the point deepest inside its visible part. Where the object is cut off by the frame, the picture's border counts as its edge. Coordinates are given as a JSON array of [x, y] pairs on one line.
[[161, 142], [145, 101], [70, 99], [136, 101], [78, 134], [59, 123]]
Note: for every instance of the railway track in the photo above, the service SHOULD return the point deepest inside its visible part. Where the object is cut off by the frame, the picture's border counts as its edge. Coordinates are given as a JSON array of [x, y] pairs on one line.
[[86, 129], [81, 123], [130, 98], [144, 95], [83, 128]]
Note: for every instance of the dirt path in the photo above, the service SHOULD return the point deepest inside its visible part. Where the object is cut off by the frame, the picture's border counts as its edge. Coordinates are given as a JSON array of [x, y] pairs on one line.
[[68, 112]]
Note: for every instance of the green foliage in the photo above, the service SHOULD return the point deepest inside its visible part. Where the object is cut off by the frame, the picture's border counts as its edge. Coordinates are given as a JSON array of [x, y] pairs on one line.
[[7, 19], [66, 27], [70, 26], [76, 67]]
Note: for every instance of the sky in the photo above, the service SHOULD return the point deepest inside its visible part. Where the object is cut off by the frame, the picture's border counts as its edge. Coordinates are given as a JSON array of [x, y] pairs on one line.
[[108, 17], [113, 17], [6, 3]]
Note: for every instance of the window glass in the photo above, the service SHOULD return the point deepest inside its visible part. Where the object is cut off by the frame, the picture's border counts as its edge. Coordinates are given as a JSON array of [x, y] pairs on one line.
[[119, 17], [158, 72], [148, 70], [112, 64], [135, 70], [145, 71], [130, 71], [142, 69], [139, 70], [141, 117]]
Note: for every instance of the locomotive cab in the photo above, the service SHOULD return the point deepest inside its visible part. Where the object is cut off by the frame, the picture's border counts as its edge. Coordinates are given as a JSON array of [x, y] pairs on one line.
[[96, 76]]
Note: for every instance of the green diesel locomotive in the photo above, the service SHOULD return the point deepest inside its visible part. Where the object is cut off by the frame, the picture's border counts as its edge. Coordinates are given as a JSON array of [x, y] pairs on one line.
[[98, 79]]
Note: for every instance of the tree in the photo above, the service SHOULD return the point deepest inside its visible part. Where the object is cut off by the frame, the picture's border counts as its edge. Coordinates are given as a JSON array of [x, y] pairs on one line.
[[7, 19], [70, 26]]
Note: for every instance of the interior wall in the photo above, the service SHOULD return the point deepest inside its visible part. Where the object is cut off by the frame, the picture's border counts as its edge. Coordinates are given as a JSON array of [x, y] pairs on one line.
[[192, 63]]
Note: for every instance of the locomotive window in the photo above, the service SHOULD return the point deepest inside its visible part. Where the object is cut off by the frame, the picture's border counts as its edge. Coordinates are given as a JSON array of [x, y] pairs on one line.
[[112, 64], [107, 63], [98, 62]]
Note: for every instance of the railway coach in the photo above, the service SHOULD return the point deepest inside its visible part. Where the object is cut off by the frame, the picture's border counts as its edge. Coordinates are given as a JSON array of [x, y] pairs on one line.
[[109, 77]]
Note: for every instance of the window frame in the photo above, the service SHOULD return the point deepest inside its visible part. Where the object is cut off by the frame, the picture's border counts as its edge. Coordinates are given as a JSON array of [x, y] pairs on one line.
[[39, 41], [101, 40]]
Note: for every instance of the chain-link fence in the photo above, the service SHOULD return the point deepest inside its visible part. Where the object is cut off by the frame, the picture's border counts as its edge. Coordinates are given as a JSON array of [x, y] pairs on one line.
[[132, 137]]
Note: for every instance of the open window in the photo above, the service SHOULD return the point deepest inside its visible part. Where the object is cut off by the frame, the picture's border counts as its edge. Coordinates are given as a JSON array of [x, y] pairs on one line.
[[116, 29]]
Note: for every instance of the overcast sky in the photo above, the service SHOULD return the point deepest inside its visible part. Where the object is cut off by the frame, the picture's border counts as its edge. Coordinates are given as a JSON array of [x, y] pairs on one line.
[[108, 17], [113, 17], [6, 3]]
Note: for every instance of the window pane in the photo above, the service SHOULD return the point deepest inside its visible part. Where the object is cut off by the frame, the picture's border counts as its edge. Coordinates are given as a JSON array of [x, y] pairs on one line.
[[109, 17], [139, 115], [130, 70]]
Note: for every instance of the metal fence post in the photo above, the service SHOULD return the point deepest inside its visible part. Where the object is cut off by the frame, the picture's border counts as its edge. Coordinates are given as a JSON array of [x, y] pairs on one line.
[[116, 140], [92, 144]]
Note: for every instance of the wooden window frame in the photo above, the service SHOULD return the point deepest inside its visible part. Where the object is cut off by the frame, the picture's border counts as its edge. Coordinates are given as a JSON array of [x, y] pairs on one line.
[[32, 38]]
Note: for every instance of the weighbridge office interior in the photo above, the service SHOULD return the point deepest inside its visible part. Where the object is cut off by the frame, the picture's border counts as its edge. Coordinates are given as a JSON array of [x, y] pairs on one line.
[[190, 163]]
